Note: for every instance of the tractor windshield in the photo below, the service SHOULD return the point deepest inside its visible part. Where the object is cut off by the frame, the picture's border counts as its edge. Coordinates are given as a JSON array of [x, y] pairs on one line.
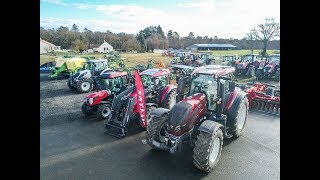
[[147, 80], [106, 83], [248, 58], [204, 83], [275, 59]]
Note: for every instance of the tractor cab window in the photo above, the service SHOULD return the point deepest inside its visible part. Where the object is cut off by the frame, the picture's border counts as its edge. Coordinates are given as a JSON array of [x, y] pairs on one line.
[[147, 80], [117, 83], [163, 80], [124, 81], [248, 59], [105, 83], [205, 84], [98, 66]]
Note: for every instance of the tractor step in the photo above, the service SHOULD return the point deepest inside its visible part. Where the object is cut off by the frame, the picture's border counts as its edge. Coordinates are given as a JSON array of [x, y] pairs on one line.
[[115, 130]]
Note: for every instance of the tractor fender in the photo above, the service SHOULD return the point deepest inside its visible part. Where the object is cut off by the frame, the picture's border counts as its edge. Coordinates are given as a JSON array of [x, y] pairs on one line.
[[166, 92], [209, 126], [234, 101], [159, 112]]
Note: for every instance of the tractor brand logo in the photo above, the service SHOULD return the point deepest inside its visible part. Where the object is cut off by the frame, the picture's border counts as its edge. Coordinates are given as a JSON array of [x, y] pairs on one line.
[[140, 104]]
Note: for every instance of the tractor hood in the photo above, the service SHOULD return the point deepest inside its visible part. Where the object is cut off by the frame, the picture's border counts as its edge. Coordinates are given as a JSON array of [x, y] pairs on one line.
[[99, 94], [97, 97]]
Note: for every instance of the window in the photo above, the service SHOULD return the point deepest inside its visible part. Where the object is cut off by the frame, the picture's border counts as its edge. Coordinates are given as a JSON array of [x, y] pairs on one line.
[[124, 80]]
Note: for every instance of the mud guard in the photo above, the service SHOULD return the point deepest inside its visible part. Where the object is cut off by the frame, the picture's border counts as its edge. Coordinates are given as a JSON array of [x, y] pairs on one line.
[[236, 103], [166, 92], [209, 126], [159, 112]]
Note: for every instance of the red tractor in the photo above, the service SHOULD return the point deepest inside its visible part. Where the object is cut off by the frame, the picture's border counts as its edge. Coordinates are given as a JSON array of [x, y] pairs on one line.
[[99, 103], [249, 64], [152, 90], [264, 97], [214, 109], [271, 69]]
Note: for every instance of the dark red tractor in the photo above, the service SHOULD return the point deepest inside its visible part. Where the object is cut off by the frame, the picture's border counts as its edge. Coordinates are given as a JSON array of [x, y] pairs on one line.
[[110, 84], [152, 90], [248, 65], [272, 68], [264, 97], [214, 109]]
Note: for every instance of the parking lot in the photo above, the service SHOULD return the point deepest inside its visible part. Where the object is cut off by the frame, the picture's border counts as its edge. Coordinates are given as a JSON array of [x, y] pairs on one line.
[[73, 146]]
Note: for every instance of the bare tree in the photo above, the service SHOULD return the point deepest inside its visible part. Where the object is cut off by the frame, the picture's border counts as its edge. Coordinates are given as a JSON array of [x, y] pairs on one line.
[[266, 32], [250, 37]]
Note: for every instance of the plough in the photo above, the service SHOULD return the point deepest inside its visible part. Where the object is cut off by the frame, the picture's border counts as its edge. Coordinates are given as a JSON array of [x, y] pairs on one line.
[[264, 97]]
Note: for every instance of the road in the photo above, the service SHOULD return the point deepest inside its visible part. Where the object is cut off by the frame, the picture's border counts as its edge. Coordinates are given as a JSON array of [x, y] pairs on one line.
[[73, 146]]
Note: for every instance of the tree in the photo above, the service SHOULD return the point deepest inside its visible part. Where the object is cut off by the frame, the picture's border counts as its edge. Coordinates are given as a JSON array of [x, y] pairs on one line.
[[250, 37], [266, 32], [131, 44], [75, 28], [79, 45]]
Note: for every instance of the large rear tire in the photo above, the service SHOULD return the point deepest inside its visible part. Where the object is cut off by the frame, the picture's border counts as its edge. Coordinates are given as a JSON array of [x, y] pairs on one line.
[[70, 85], [84, 86], [237, 121], [104, 111], [170, 101], [207, 150], [87, 110], [155, 130], [277, 76]]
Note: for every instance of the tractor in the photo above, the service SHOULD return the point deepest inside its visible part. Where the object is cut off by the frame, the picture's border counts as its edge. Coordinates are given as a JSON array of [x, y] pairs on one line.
[[214, 109], [207, 58], [110, 84], [178, 58], [263, 97], [152, 90], [83, 80], [248, 65], [230, 60], [181, 70], [272, 68]]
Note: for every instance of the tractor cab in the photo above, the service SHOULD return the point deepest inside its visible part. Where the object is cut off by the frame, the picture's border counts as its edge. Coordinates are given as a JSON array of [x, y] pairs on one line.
[[113, 81], [207, 58], [274, 58]]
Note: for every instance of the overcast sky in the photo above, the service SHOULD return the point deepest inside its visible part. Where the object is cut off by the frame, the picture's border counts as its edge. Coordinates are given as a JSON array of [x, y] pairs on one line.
[[222, 18]]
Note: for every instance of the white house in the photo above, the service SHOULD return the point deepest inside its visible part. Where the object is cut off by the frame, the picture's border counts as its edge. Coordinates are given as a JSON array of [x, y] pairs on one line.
[[46, 47], [104, 48]]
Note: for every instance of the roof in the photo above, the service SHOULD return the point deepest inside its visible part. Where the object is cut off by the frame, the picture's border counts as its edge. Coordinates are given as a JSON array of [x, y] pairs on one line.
[[46, 42], [216, 70], [113, 74], [214, 45], [98, 60], [181, 66], [155, 72]]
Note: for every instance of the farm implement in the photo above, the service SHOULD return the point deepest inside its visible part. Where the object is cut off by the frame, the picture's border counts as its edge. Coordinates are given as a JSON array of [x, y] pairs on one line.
[[264, 97], [67, 66]]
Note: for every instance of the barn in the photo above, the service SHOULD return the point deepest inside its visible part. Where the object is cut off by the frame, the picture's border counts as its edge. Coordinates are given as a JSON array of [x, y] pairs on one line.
[[104, 48], [46, 47], [205, 47]]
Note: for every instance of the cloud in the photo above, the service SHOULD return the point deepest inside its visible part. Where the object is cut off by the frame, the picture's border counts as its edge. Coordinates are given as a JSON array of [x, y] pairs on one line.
[[59, 2], [222, 18]]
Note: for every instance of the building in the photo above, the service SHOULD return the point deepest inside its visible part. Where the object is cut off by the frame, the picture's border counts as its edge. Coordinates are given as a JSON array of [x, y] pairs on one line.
[[103, 48], [46, 47], [205, 47]]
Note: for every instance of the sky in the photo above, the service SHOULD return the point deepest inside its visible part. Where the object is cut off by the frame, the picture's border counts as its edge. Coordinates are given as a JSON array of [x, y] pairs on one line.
[[221, 18]]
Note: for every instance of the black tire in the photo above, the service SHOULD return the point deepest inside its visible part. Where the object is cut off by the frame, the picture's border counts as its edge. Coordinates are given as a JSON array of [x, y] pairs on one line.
[[270, 91], [81, 87], [70, 86], [101, 113], [250, 72], [87, 110], [234, 119], [203, 149], [259, 74], [170, 101], [277, 76], [154, 127]]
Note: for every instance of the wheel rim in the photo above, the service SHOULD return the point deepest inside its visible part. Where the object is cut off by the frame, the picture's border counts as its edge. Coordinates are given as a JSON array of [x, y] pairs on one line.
[[241, 117], [215, 149], [161, 133], [85, 86], [106, 112]]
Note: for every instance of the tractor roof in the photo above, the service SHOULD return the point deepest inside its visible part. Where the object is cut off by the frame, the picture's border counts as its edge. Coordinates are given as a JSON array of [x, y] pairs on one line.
[[216, 70], [113, 74], [154, 72], [181, 66], [251, 55]]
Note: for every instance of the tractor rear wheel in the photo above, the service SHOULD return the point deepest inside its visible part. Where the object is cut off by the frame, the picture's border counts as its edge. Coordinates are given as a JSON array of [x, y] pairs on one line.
[[237, 121], [170, 101], [84, 86], [156, 130], [104, 111], [70, 85], [207, 150], [86, 109], [259, 74], [277, 76]]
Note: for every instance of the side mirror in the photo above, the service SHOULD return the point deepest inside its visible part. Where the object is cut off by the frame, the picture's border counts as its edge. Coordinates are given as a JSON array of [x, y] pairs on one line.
[[232, 86]]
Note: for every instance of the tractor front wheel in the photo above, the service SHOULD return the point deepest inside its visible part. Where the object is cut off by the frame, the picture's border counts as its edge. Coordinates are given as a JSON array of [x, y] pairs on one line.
[[104, 111], [156, 130], [207, 150], [84, 86], [86, 109], [70, 85]]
